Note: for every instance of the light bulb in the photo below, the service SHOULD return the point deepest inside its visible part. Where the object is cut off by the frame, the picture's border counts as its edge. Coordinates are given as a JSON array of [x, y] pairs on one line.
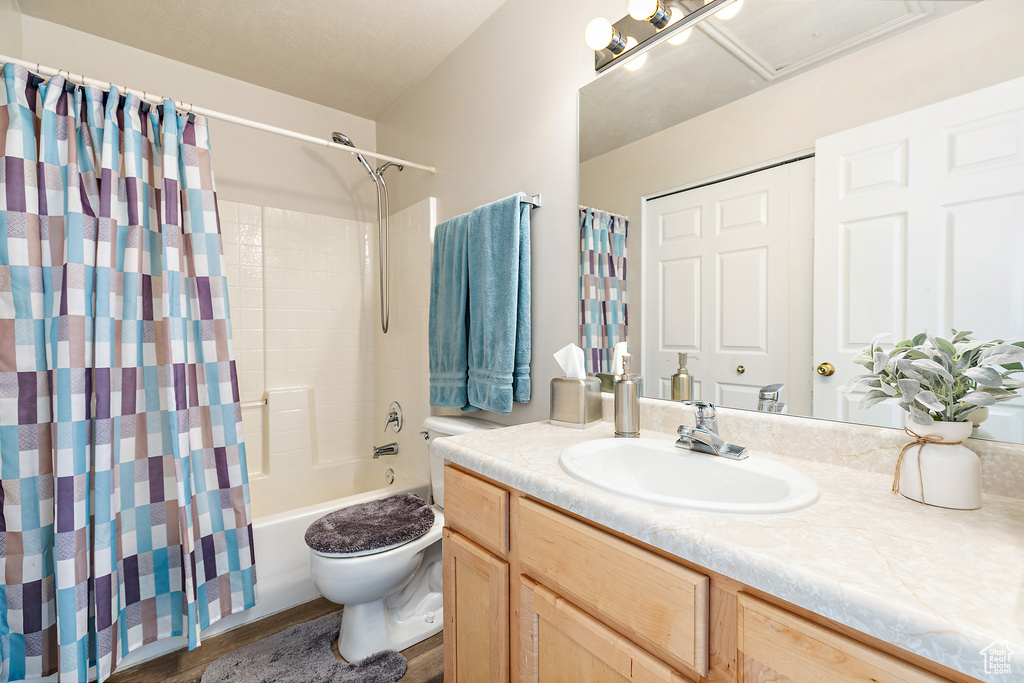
[[729, 11], [636, 62], [599, 33], [680, 37], [642, 10]]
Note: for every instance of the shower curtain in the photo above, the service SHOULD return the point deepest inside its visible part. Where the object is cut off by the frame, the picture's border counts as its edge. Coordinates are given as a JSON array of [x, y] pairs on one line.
[[124, 505], [603, 316]]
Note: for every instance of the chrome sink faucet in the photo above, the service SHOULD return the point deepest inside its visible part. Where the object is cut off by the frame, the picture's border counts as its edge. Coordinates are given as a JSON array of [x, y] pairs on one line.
[[704, 437]]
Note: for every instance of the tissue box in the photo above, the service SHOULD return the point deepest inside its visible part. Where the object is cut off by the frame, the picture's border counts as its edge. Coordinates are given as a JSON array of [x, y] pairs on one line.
[[575, 402]]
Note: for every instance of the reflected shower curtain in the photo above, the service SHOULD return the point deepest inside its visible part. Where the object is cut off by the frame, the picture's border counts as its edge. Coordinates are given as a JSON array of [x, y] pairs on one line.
[[124, 505], [603, 316]]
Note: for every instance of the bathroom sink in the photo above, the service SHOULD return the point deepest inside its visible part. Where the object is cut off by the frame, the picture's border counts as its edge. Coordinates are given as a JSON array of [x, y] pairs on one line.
[[655, 471]]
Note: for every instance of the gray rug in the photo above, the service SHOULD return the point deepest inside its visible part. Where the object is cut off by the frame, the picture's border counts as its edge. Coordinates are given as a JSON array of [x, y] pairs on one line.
[[302, 654]]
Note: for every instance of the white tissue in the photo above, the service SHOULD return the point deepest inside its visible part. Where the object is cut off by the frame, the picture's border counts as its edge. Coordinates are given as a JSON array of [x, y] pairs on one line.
[[570, 359], [620, 351]]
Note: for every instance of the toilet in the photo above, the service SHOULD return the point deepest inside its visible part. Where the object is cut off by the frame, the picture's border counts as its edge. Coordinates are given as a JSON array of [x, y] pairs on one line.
[[390, 587]]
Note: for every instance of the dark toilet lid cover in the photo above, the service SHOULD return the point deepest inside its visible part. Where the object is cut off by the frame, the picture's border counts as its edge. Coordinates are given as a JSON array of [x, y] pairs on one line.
[[368, 526]]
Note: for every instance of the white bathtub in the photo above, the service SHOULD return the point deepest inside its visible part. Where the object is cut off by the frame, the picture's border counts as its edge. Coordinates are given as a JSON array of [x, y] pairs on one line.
[[282, 557]]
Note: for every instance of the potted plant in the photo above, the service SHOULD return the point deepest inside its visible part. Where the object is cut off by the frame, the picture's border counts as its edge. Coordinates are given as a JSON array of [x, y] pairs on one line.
[[939, 383]]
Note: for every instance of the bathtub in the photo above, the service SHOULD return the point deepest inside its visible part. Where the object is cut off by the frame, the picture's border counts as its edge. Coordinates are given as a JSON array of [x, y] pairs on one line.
[[282, 557]]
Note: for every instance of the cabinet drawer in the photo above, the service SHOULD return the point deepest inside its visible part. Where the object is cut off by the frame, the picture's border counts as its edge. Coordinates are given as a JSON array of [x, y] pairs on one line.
[[776, 645], [562, 643], [654, 602], [476, 509]]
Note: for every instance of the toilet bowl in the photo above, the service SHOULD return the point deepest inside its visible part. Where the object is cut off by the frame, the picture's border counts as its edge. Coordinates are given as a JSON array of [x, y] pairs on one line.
[[392, 595]]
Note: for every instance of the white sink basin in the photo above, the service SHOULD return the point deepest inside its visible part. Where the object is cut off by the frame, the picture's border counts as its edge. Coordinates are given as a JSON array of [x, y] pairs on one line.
[[657, 472]]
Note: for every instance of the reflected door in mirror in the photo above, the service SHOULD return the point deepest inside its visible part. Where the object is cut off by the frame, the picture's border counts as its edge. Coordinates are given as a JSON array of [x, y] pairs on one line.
[[716, 284], [920, 227]]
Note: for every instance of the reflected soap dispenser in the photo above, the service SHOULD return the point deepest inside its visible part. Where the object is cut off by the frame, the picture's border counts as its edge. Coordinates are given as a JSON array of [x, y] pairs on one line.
[[682, 382], [627, 403]]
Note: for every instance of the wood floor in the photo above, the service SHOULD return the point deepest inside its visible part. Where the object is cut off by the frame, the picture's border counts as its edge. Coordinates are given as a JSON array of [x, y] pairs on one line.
[[426, 659]]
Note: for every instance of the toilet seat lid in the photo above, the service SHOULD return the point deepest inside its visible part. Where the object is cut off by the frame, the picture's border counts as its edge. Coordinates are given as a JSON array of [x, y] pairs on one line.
[[374, 525]]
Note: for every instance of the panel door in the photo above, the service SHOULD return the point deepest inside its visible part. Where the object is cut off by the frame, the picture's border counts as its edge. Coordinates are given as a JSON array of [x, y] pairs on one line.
[[717, 271], [476, 613], [562, 643], [920, 226]]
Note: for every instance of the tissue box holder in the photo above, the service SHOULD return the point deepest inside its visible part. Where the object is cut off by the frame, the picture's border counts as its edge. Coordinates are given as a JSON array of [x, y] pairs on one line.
[[575, 402]]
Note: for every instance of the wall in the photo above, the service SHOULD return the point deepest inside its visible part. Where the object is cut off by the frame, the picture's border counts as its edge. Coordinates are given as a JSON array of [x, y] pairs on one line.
[[10, 28], [250, 166], [498, 116], [959, 53]]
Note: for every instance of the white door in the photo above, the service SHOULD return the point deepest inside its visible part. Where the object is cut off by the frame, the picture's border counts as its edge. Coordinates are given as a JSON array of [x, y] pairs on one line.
[[919, 226], [717, 266]]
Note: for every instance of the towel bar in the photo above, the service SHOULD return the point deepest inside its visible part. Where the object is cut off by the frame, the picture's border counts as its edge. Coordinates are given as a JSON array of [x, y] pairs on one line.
[[533, 200]]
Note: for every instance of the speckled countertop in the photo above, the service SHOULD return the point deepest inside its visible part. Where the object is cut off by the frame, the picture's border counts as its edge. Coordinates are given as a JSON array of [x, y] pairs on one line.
[[940, 583]]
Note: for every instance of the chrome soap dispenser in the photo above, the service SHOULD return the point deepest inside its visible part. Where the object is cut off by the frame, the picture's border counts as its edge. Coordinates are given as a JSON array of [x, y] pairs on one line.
[[627, 403], [682, 382]]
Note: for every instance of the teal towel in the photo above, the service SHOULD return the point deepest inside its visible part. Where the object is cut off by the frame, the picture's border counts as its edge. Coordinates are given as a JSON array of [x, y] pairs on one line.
[[447, 327], [499, 305], [479, 326]]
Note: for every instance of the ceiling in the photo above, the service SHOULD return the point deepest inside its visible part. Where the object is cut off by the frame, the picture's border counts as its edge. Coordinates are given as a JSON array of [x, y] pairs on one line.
[[722, 61], [358, 56]]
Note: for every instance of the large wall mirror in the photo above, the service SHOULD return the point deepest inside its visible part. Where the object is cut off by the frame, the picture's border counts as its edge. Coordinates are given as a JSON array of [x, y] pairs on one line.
[[806, 175]]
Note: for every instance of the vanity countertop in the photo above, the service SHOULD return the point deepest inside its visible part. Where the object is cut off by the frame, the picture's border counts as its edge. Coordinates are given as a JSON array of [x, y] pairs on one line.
[[941, 583]]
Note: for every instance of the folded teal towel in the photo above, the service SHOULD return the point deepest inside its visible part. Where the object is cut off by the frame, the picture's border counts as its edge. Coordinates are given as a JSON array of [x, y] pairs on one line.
[[479, 327], [499, 305], [449, 299]]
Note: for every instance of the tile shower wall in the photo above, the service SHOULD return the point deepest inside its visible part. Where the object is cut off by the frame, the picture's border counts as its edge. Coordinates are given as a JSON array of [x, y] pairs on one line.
[[298, 286], [305, 323]]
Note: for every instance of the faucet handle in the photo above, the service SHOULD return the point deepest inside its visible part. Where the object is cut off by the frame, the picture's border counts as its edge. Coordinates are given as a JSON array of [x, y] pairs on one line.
[[703, 409]]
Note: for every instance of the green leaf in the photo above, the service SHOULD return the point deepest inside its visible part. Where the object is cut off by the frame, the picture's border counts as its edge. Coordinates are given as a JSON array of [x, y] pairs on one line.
[[1000, 354], [932, 367], [921, 417], [979, 398], [929, 401], [872, 398], [986, 377], [960, 336]]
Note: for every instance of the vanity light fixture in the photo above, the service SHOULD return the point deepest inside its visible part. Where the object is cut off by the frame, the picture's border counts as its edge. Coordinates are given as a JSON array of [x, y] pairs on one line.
[[636, 62], [627, 41], [601, 35], [728, 12], [679, 37], [653, 11]]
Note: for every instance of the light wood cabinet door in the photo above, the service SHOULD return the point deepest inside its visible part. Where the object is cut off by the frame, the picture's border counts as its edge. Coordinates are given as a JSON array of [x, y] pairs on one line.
[[654, 602], [560, 643], [781, 647], [476, 613]]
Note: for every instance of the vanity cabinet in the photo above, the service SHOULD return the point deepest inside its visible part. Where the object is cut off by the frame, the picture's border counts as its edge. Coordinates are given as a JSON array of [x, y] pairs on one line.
[[581, 603]]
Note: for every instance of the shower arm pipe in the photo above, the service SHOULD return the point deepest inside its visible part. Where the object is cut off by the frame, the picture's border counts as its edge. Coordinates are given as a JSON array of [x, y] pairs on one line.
[[383, 252], [185, 107]]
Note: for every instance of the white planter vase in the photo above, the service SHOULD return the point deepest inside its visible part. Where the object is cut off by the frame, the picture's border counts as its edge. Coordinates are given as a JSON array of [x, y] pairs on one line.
[[951, 474]]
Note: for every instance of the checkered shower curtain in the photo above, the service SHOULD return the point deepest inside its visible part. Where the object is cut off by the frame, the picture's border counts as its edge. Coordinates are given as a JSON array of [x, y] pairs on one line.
[[602, 286], [124, 504]]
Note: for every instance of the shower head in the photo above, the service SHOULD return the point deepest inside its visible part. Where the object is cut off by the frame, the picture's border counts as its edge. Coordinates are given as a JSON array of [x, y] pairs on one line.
[[342, 139]]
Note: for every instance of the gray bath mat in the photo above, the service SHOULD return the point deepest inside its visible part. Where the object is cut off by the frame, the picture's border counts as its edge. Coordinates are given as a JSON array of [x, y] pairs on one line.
[[302, 654]]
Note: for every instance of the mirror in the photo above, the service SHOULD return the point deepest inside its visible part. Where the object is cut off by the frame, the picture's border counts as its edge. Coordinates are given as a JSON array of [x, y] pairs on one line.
[[764, 166]]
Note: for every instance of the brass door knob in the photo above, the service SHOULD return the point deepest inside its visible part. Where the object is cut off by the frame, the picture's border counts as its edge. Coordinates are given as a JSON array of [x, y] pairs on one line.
[[740, 369], [826, 370]]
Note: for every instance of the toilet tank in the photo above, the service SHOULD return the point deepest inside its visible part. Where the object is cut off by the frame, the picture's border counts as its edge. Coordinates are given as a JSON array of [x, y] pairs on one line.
[[437, 427]]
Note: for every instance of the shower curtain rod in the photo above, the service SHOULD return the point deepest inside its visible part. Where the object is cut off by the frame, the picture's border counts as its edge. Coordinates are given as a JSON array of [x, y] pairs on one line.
[[210, 114]]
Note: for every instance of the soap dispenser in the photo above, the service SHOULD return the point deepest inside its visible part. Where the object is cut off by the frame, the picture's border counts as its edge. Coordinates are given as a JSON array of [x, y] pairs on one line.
[[682, 382], [627, 403]]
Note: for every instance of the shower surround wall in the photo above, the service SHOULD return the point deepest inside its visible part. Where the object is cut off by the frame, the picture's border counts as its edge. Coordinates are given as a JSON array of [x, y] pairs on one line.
[[304, 297]]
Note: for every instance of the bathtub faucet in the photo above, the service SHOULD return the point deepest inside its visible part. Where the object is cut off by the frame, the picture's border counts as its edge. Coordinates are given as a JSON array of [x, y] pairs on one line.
[[389, 449]]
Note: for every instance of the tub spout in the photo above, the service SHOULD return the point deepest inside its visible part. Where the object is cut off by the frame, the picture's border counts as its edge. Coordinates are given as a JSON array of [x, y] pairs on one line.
[[388, 449]]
